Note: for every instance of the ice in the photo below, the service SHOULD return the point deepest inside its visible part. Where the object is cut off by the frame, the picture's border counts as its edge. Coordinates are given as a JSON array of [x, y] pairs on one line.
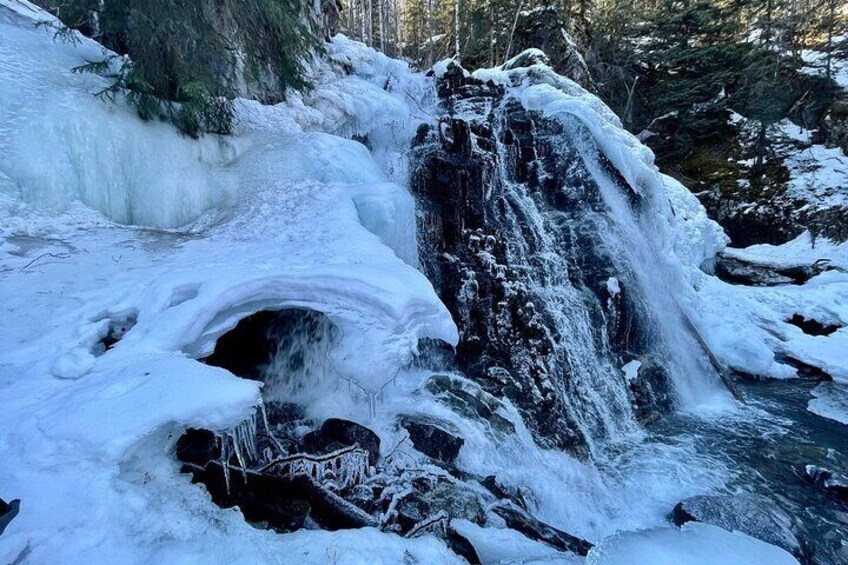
[[830, 400], [631, 370], [693, 544], [290, 212]]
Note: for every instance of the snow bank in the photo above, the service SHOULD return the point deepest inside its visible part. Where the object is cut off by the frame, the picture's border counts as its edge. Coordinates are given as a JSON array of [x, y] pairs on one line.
[[274, 217], [749, 326], [830, 400], [693, 544]]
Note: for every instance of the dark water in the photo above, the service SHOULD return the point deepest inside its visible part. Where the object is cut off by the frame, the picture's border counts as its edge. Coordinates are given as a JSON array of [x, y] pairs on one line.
[[768, 453]]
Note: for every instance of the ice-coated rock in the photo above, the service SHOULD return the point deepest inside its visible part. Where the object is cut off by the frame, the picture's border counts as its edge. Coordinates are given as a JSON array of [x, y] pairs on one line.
[[754, 515]]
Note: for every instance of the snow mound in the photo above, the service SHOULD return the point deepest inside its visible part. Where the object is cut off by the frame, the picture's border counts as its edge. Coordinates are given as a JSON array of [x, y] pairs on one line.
[[693, 544], [830, 400]]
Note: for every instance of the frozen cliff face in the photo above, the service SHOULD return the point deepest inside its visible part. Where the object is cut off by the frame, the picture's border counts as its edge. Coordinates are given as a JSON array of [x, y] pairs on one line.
[[533, 200]]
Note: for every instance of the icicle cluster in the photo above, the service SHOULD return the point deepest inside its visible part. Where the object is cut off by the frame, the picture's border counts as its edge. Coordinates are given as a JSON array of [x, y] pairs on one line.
[[338, 470]]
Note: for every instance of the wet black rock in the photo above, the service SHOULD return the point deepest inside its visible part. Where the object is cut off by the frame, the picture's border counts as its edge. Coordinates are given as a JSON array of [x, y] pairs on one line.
[[505, 492], [519, 520], [651, 395], [279, 502], [751, 514], [434, 438], [512, 218], [336, 434], [198, 447], [804, 370], [8, 511], [469, 400], [460, 545], [737, 271], [832, 483]]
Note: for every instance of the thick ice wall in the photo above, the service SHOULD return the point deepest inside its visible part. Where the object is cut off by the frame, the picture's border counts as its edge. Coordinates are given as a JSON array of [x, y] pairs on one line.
[[58, 143]]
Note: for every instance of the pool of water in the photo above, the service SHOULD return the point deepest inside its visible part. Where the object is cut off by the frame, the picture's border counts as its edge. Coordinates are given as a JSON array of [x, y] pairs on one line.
[[766, 446]]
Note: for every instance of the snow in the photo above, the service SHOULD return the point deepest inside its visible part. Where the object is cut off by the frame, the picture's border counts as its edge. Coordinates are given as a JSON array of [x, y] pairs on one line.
[[817, 176], [693, 544], [284, 214], [747, 327], [631, 370], [830, 400], [815, 63], [502, 546]]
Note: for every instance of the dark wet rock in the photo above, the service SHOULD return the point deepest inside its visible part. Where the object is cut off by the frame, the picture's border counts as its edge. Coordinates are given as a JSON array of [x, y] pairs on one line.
[[430, 496], [336, 434], [469, 400], [263, 500], [652, 396], [460, 545], [812, 327], [8, 511], [519, 520], [804, 370], [474, 178], [434, 438], [834, 484], [737, 271], [281, 503], [198, 447], [751, 514], [504, 492]]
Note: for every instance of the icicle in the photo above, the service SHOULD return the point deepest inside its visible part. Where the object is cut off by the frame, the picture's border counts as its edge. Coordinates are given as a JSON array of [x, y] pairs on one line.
[[225, 460]]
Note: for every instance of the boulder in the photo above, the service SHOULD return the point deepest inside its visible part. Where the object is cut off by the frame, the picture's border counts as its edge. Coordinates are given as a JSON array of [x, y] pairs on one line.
[[336, 434], [832, 483], [434, 438], [279, 502], [469, 400], [751, 514]]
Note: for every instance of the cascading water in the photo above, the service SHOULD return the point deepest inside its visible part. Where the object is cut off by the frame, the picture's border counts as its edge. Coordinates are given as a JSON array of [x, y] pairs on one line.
[[544, 254], [635, 240], [599, 405]]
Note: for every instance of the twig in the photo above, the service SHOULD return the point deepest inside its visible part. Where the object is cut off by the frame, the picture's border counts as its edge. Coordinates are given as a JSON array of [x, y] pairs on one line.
[[54, 255]]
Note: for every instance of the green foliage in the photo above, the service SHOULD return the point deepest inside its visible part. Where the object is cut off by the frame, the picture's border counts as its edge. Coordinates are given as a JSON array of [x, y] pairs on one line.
[[182, 55]]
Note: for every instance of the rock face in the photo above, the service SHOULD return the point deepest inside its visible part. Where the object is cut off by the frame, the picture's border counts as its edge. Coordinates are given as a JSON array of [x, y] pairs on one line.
[[432, 438], [513, 234], [754, 515]]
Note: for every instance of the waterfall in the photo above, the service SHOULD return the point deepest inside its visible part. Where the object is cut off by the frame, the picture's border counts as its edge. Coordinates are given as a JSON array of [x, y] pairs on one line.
[[552, 263]]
